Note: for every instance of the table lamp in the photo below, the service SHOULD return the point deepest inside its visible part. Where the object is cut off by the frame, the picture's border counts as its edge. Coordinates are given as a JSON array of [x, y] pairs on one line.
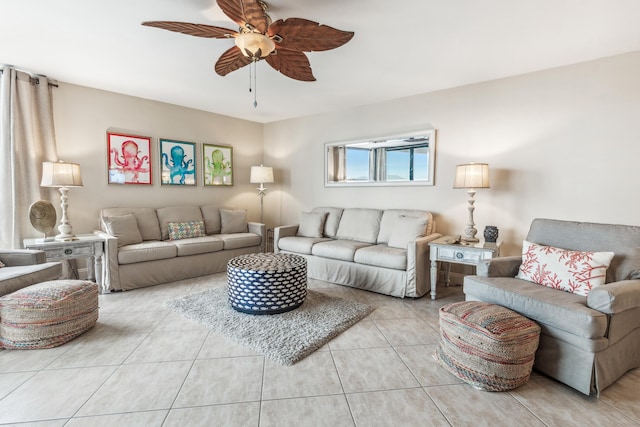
[[471, 176], [62, 175]]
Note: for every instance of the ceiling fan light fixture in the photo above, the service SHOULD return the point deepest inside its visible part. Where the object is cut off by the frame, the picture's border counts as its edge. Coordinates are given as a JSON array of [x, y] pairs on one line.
[[255, 45]]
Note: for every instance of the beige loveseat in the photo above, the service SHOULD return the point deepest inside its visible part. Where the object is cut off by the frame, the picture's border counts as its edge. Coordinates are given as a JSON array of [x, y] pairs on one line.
[[385, 251], [149, 246]]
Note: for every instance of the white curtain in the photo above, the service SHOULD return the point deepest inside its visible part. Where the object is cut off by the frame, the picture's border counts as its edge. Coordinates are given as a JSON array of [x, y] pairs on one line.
[[27, 138], [379, 171], [337, 164]]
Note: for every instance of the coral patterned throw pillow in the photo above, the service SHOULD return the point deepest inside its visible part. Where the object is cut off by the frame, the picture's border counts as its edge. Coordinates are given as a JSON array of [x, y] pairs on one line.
[[571, 271]]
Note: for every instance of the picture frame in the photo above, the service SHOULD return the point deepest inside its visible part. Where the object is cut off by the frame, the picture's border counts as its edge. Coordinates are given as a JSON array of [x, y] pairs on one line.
[[217, 165], [128, 159], [177, 162]]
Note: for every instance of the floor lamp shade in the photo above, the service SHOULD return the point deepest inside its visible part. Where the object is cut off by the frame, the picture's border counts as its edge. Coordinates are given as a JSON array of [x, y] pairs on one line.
[[62, 175], [471, 176], [261, 175]]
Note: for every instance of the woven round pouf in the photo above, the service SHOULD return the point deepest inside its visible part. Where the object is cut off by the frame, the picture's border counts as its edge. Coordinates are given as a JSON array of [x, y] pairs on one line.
[[267, 283], [47, 314], [488, 346]]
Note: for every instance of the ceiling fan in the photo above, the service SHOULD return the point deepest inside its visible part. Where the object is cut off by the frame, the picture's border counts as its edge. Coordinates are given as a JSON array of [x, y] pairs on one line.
[[281, 43]]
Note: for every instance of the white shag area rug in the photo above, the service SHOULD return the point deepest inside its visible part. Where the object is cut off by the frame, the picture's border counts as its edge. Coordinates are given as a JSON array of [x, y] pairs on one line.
[[285, 338]]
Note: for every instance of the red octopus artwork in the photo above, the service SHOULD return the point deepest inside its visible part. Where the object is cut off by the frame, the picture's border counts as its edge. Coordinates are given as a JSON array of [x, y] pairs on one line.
[[129, 159]]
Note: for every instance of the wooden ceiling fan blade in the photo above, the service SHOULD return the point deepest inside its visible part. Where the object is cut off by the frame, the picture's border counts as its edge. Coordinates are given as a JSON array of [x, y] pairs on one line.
[[231, 60], [308, 36], [292, 64], [246, 12], [197, 30]]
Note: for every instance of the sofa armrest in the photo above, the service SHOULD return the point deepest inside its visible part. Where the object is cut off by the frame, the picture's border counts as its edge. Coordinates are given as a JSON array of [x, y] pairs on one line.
[[283, 231], [16, 257], [260, 229], [507, 266], [419, 265], [615, 297], [110, 266]]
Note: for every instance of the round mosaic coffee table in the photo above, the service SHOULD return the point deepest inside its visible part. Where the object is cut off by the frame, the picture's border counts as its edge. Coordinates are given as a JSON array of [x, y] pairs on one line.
[[267, 283]]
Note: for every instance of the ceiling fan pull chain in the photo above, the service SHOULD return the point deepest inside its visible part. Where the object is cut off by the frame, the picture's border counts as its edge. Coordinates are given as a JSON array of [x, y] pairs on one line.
[[255, 85]]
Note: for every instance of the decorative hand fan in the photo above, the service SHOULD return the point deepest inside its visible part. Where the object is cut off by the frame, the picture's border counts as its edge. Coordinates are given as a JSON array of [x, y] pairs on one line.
[[43, 218]]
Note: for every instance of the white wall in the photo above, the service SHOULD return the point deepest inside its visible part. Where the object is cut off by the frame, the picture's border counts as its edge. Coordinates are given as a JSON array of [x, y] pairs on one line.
[[560, 143], [82, 117]]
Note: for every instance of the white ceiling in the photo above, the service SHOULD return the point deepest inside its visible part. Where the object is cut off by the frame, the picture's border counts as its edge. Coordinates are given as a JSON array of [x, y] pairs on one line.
[[400, 48]]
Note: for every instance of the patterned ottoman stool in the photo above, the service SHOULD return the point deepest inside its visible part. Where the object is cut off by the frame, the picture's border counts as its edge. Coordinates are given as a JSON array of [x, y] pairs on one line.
[[47, 314], [267, 283], [487, 346]]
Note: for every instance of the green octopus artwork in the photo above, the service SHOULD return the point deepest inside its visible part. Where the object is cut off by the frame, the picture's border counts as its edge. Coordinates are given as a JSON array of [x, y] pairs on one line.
[[217, 165]]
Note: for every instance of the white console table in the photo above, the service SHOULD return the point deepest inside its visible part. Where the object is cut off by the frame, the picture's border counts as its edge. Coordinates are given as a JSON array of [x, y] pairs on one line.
[[444, 250], [87, 246]]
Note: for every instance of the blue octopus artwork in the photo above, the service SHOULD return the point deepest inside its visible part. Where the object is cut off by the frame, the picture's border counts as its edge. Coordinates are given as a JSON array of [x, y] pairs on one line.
[[179, 166]]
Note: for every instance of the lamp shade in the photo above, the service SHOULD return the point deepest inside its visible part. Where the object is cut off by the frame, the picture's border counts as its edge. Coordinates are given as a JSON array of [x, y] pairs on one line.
[[472, 175], [61, 174], [255, 45], [261, 174]]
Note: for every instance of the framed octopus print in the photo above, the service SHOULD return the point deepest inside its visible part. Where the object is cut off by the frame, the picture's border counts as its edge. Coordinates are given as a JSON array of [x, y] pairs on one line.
[[177, 162], [129, 159], [217, 164]]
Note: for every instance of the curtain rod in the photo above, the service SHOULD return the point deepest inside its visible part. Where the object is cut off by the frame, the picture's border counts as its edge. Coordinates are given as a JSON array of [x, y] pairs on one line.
[[33, 79]]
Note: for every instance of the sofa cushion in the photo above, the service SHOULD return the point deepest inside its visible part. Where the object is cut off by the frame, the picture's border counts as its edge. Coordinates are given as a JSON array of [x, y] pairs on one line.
[[343, 250], [21, 276], [382, 256], [299, 245], [186, 230], [146, 251], [406, 229], [332, 220], [622, 240], [146, 217], [360, 224], [211, 215], [546, 306], [198, 245], [390, 217], [239, 240], [124, 227], [233, 221], [177, 214], [572, 271], [311, 224]]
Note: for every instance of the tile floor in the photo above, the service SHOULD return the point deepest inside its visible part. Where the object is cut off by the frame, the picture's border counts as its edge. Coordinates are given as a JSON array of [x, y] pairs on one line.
[[145, 366]]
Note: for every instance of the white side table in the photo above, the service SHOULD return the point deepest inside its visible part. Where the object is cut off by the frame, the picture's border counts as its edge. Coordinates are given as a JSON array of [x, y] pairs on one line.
[[87, 246], [444, 250]]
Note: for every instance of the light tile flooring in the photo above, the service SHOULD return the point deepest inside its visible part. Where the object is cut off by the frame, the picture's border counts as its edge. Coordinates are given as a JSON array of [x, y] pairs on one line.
[[145, 366]]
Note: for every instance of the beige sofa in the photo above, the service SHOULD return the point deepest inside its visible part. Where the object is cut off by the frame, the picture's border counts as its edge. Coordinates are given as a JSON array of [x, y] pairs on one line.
[[148, 246], [384, 251], [25, 267]]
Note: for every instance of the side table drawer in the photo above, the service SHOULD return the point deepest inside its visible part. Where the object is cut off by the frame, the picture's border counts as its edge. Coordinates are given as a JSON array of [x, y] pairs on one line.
[[61, 253], [461, 255]]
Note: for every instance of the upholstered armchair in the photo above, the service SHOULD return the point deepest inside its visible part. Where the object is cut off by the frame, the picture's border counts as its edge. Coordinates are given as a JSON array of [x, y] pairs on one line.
[[25, 267], [586, 342]]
